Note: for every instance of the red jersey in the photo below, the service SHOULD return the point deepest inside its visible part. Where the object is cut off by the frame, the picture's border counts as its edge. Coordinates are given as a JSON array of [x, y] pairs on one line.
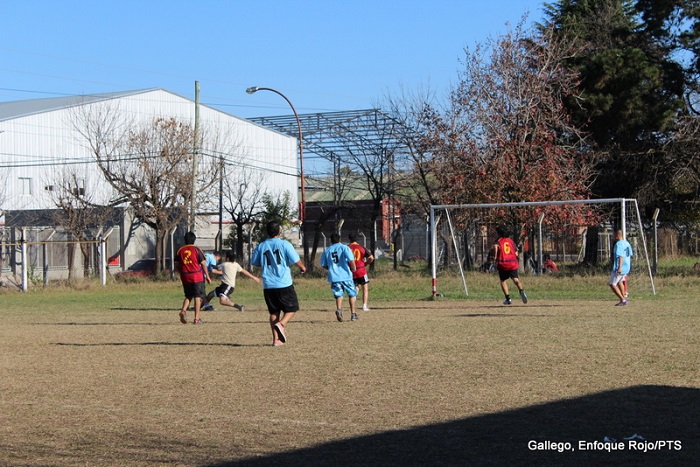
[[190, 259], [507, 259], [360, 253]]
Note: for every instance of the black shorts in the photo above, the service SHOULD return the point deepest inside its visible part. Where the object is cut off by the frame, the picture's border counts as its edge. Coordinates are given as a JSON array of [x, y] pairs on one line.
[[223, 290], [361, 280], [284, 299], [505, 275], [194, 290]]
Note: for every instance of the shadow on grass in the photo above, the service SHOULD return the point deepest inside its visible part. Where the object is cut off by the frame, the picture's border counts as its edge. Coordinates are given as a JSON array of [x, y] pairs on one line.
[[666, 417]]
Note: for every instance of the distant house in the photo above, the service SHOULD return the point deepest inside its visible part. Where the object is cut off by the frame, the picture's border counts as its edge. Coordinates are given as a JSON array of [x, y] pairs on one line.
[[40, 138]]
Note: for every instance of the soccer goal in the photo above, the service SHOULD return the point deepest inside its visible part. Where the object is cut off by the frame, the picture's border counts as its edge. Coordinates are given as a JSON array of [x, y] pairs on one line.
[[571, 233]]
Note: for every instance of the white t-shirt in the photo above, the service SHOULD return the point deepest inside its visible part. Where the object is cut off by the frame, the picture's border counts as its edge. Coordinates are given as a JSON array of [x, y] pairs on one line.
[[229, 271]]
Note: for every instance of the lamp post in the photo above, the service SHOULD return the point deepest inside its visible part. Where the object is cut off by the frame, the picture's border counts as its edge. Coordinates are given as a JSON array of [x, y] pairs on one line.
[[302, 210]]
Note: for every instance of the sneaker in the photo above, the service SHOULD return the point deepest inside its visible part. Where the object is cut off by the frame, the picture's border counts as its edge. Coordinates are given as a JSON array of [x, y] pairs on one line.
[[523, 296], [183, 318], [354, 317], [365, 308], [239, 307], [339, 315], [507, 301], [281, 331], [208, 307], [277, 343], [621, 303], [197, 321]]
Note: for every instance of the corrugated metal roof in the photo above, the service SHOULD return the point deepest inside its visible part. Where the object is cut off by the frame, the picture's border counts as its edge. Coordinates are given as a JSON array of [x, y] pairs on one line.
[[16, 109]]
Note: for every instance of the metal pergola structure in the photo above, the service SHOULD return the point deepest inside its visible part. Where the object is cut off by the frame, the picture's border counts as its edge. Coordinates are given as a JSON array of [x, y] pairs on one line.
[[336, 136], [366, 138]]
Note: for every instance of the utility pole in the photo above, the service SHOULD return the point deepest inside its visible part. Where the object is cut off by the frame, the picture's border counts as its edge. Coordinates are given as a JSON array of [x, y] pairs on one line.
[[195, 159]]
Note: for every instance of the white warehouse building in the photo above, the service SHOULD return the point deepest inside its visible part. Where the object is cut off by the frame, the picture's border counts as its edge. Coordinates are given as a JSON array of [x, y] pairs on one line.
[[40, 138]]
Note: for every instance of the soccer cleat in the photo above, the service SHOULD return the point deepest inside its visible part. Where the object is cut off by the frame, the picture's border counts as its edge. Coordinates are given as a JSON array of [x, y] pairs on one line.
[[183, 319], [277, 343], [354, 317], [339, 314], [281, 331], [208, 307], [523, 296], [621, 303], [507, 301], [365, 308], [239, 307], [197, 321]]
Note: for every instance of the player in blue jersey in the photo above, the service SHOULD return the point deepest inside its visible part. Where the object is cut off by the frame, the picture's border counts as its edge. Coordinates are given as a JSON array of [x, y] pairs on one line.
[[340, 262], [275, 256], [622, 264]]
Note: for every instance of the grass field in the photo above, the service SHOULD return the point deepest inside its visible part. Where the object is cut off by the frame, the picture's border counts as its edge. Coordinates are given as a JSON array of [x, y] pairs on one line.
[[108, 376]]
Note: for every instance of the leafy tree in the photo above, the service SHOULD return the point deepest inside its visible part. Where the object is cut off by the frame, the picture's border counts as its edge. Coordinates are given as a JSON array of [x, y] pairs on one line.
[[631, 86], [276, 208], [505, 135]]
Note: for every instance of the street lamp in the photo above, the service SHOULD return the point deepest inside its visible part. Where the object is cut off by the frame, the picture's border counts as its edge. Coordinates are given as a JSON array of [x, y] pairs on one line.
[[302, 210]]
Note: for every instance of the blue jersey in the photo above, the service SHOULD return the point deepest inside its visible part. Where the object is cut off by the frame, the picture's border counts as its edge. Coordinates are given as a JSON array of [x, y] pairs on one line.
[[274, 256], [211, 261], [335, 258], [623, 249]]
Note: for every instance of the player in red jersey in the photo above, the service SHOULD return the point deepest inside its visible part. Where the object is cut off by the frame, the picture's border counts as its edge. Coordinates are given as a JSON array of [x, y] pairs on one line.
[[506, 254], [193, 272], [360, 277]]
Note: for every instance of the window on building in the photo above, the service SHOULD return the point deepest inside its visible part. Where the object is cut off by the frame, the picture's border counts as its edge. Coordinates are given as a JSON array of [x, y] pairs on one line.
[[79, 189], [25, 186]]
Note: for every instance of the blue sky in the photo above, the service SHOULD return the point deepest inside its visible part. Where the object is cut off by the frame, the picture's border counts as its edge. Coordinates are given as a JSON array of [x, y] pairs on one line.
[[324, 55]]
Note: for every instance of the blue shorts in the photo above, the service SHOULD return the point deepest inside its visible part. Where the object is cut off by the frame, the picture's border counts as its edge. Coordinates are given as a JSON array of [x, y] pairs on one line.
[[340, 288]]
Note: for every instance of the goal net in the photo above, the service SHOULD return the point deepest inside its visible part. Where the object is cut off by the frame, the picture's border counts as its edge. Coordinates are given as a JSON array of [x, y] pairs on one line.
[[577, 234]]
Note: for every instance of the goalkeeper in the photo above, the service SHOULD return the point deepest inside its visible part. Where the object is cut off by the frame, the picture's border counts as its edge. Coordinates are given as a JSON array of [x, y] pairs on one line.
[[506, 254]]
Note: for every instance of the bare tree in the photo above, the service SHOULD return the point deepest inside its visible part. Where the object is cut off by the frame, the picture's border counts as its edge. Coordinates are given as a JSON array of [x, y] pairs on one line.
[[150, 165], [242, 196], [414, 110], [380, 159], [339, 185], [84, 210], [676, 175]]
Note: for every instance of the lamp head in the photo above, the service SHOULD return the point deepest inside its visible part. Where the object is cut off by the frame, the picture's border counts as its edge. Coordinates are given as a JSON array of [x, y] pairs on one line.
[[252, 89]]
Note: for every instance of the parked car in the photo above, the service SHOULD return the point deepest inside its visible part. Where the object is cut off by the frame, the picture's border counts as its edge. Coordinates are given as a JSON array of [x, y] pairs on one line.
[[141, 268]]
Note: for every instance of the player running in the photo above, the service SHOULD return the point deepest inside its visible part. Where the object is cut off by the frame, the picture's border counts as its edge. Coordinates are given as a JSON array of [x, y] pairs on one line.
[[506, 254], [362, 258]]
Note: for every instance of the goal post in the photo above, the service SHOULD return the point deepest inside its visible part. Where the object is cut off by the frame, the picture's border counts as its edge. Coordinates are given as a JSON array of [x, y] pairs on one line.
[[601, 216]]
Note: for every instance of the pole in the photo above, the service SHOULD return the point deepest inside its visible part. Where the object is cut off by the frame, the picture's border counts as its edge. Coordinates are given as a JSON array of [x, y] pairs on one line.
[[195, 158], [221, 205], [540, 269], [302, 208], [656, 241], [25, 257]]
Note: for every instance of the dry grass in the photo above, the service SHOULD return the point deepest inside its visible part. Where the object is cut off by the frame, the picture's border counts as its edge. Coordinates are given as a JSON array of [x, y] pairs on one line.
[[451, 382]]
